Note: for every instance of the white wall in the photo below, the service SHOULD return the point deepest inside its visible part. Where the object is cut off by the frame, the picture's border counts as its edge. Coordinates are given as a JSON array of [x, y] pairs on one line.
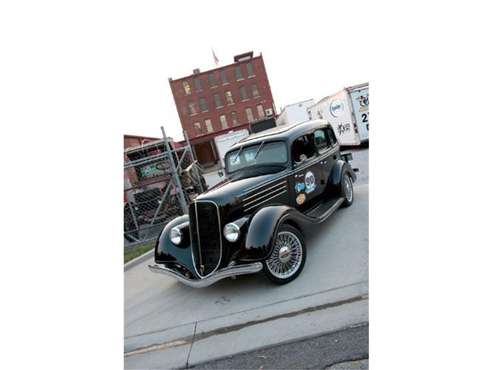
[[295, 113]]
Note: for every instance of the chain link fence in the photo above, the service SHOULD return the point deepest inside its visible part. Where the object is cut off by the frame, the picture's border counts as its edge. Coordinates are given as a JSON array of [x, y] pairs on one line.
[[161, 179]]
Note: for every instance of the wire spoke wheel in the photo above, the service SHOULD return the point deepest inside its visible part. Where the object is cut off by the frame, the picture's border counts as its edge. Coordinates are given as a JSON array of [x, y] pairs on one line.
[[286, 257]]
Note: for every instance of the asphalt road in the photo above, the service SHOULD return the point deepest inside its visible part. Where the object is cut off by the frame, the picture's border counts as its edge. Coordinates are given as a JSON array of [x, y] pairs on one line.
[[348, 347], [169, 325], [360, 161]]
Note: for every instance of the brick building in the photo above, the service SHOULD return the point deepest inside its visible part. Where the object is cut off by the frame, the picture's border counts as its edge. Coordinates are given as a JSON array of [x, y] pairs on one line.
[[219, 100], [136, 140]]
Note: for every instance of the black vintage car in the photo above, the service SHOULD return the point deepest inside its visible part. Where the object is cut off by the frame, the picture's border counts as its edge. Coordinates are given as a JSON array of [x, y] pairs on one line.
[[280, 183]]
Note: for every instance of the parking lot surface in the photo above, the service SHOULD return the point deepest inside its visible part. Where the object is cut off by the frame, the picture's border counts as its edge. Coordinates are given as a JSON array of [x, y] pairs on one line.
[[168, 324]]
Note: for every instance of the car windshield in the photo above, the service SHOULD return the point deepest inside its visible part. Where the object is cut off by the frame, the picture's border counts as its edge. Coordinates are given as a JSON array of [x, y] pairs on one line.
[[262, 154]]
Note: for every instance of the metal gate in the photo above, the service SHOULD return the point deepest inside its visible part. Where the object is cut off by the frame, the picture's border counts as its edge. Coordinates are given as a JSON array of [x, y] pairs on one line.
[[160, 181]]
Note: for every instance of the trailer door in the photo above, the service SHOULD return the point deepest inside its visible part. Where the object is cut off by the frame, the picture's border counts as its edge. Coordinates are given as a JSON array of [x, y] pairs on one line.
[[360, 102]]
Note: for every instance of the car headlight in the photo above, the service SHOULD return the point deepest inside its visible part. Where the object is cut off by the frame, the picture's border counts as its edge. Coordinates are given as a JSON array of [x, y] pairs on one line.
[[175, 236], [231, 232]]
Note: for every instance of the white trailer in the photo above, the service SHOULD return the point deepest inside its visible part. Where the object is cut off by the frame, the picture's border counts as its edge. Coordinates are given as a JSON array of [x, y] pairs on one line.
[[294, 113], [347, 112], [225, 141], [360, 105]]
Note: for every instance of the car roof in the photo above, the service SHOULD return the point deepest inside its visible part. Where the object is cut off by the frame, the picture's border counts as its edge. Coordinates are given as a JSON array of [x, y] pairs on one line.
[[278, 133]]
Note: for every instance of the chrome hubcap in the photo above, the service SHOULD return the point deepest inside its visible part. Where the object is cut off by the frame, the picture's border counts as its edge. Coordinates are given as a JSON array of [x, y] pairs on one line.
[[284, 254], [348, 188], [286, 257]]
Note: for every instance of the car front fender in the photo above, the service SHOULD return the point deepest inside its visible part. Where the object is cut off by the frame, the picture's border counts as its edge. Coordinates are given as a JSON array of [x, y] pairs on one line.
[[166, 252], [263, 228]]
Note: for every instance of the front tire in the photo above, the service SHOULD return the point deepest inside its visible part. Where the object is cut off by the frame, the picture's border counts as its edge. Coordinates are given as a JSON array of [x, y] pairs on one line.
[[347, 189], [288, 256]]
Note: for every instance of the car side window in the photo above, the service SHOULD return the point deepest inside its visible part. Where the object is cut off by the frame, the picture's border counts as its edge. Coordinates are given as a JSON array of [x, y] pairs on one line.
[[332, 136], [303, 148], [320, 138]]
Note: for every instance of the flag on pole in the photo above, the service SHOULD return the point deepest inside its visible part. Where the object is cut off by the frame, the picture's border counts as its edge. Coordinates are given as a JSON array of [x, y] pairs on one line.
[[216, 61]]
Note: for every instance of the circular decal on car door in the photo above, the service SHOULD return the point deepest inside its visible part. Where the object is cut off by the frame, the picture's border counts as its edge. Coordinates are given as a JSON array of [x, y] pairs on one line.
[[299, 187], [310, 182]]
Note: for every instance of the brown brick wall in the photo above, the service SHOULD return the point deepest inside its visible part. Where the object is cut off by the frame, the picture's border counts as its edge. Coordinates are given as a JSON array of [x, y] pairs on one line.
[[207, 92], [130, 141]]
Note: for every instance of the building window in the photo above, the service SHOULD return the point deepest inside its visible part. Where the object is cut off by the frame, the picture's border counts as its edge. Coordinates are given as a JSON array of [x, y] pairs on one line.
[[255, 91], [239, 75], [229, 97], [196, 84], [192, 108], [224, 79], [234, 120], [249, 115], [186, 88], [212, 80], [198, 128], [203, 105], [218, 101], [260, 111], [249, 68], [208, 125], [224, 122], [243, 93]]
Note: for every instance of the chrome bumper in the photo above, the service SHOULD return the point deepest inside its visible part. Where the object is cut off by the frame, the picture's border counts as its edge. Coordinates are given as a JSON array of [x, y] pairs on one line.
[[224, 273]]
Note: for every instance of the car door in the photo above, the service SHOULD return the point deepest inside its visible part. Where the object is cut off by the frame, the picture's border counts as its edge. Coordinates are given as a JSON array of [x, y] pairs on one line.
[[308, 178], [325, 142], [335, 154]]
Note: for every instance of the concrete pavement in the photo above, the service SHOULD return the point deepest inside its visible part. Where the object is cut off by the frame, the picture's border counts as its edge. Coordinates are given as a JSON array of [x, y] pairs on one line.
[[342, 349], [170, 325]]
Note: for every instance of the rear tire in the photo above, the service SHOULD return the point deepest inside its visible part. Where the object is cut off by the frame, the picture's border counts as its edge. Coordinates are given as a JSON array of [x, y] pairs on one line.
[[346, 189], [288, 256]]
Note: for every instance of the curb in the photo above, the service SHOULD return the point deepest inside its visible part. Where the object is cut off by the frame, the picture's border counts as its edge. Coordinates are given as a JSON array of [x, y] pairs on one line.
[[169, 341], [137, 260]]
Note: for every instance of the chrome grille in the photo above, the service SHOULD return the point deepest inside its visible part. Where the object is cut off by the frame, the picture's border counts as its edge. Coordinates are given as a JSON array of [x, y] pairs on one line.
[[205, 228]]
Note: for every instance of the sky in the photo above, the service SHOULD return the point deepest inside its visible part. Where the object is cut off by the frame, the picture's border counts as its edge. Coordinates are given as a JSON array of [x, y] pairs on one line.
[[310, 49]]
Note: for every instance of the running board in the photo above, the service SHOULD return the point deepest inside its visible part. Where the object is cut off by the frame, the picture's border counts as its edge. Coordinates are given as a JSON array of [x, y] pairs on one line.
[[331, 208]]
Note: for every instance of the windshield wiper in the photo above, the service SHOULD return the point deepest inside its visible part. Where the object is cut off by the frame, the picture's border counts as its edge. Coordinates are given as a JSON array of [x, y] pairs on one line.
[[258, 151], [237, 155]]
